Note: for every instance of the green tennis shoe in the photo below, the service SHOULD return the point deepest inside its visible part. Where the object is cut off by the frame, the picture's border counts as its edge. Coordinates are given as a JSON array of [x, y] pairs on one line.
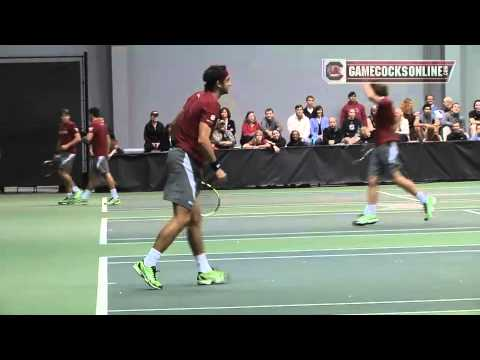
[[211, 277], [148, 274], [366, 220]]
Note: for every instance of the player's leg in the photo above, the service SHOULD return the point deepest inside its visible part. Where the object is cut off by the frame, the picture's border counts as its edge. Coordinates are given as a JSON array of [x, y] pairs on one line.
[[369, 215], [65, 166], [147, 268], [394, 165], [93, 176], [206, 275], [180, 191], [409, 186], [115, 199]]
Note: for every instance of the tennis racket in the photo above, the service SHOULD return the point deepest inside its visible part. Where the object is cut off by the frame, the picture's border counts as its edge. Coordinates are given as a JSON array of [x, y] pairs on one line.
[[50, 167], [365, 155], [208, 199]]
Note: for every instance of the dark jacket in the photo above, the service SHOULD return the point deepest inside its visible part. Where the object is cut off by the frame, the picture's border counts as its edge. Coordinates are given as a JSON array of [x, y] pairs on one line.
[[155, 135], [332, 134], [456, 135], [351, 128], [281, 142], [296, 143]]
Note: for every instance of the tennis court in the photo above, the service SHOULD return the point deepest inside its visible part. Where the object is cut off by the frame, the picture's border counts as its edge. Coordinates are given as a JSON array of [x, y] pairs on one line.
[[295, 251], [288, 251]]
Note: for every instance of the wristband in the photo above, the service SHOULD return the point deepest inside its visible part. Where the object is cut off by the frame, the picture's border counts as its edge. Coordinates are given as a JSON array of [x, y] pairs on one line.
[[215, 165]]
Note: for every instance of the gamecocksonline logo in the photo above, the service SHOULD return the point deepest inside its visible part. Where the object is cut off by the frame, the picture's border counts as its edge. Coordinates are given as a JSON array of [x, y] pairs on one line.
[[341, 71]]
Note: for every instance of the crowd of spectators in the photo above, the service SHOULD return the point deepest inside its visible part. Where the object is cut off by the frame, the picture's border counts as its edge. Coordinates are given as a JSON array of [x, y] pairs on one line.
[[310, 125]]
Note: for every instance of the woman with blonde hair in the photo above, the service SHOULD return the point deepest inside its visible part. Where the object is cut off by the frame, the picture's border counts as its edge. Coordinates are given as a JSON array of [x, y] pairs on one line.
[[413, 118]]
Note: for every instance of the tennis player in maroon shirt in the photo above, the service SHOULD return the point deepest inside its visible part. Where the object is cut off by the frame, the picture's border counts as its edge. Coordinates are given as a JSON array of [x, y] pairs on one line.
[[68, 139], [98, 138], [191, 129], [384, 160]]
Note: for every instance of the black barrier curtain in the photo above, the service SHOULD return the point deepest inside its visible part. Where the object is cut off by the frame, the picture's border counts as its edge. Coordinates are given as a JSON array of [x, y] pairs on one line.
[[317, 165], [32, 93]]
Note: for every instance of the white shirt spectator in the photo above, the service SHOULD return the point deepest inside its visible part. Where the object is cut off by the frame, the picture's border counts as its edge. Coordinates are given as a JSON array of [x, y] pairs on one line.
[[404, 127], [302, 126]]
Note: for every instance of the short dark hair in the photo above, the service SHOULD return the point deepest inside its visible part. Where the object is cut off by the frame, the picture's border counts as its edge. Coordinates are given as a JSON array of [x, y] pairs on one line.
[[64, 112], [426, 106], [310, 97], [315, 110], [380, 89], [478, 100], [229, 114], [426, 96], [94, 111], [269, 109], [298, 106], [351, 93], [213, 74]]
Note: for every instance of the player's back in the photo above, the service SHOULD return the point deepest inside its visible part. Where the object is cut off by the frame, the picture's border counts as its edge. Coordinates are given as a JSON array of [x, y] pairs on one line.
[[99, 141], [201, 106], [385, 122]]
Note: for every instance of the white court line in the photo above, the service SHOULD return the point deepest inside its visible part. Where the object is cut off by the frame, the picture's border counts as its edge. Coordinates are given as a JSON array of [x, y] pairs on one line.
[[104, 205], [285, 257], [472, 212], [301, 233], [282, 214], [299, 305], [414, 312], [102, 286], [312, 236], [103, 231], [404, 197], [299, 250], [343, 189]]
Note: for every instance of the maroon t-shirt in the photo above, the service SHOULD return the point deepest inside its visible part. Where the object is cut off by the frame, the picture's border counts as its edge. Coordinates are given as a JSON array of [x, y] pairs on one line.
[[66, 133], [200, 107], [99, 141], [384, 123]]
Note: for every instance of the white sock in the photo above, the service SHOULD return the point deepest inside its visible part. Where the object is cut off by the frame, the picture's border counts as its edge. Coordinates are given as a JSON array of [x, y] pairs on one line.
[[370, 209], [69, 194], [202, 263], [421, 197], [114, 193], [75, 189], [152, 258], [86, 194]]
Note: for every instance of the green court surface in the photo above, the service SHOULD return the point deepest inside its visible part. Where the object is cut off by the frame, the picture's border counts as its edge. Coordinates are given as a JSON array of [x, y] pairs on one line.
[[288, 251]]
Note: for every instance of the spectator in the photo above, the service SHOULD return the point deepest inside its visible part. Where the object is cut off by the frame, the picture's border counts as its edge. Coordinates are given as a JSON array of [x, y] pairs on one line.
[[474, 116], [309, 108], [413, 118], [269, 123], [225, 114], [154, 135], [353, 104], [222, 138], [431, 134], [476, 134], [457, 133], [366, 136], [170, 139], [318, 123], [299, 122], [403, 126], [351, 128], [250, 126], [296, 139], [371, 118], [258, 142], [277, 139], [425, 121], [430, 100], [450, 118], [332, 135], [447, 104]]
